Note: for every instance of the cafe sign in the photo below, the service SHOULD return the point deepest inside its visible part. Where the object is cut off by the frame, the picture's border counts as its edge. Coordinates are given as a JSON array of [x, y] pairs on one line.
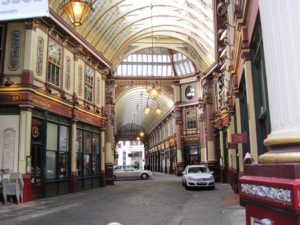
[[21, 9]]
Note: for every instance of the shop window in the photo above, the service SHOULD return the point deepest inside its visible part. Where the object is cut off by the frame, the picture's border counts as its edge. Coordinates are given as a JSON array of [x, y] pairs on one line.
[[88, 84], [79, 150], [57, 155], [191, 119], [54, 63], [87, 153]]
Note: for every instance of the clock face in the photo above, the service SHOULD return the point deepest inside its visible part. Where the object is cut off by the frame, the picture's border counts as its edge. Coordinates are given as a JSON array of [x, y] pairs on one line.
[[190, 92]]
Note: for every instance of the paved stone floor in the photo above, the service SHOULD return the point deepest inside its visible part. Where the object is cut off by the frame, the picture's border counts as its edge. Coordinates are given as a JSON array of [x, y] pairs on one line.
[[159, 201]]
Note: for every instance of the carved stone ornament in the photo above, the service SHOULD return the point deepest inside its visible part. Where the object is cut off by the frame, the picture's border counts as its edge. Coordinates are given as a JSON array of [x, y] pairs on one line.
[[40, 56], [15, 50], [261, 191], [104, 72]]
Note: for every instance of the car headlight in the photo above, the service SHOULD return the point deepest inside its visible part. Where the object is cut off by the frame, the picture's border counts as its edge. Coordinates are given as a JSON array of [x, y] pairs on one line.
[[211, 178]]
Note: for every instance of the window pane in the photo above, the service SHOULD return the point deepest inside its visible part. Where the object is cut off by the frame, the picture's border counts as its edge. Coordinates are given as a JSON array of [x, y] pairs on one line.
[[87, 165], [94, 164], [51, 136], [79, 141], [50, 165], [79, 164], [95, 144], [64, 139], [87, 142], [63, 165]]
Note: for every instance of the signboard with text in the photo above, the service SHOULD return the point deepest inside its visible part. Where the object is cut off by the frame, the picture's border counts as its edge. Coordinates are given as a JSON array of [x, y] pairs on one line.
[[22, 9], [239, 138]]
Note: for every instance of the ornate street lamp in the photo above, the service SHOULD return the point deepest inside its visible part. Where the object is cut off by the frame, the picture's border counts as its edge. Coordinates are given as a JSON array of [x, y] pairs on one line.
[[77, 10]]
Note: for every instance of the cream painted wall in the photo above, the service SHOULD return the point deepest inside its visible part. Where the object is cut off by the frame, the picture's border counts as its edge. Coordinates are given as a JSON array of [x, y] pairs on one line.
[[6, 123]]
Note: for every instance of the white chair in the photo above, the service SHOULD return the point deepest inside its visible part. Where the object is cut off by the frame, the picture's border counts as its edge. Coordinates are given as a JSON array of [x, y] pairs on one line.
[[13, 186]]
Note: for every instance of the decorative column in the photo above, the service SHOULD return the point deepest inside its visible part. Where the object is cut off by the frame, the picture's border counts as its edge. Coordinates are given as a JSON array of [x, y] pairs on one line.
[[179, 163], [25, 150], [74, 173], [102, 157], [270, 190], [109, 139], [239, 130], [211, 150], [250, 105], [202, 130]]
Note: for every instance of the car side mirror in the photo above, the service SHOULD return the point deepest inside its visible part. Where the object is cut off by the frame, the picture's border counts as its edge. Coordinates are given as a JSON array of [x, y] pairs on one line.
[[212, 172], [183, 172]]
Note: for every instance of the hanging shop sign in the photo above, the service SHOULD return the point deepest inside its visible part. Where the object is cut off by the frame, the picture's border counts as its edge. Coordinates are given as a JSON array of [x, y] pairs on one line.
[[22, 9], [239, 138]]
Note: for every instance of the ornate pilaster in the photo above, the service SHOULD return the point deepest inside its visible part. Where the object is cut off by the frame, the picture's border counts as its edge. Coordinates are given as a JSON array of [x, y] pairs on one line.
[[251, 108], [109, 139], [25, 136], [74, 174], [179, 164], [29, 60], [211, 150]]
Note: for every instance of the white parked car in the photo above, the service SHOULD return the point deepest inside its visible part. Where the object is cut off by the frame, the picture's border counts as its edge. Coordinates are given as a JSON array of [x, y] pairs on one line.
[[197, 176], [129, 172]]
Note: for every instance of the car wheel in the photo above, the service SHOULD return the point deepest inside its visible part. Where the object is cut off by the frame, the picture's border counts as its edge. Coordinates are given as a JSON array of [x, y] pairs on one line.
[[186, 186], [114, 177], [144, 176]]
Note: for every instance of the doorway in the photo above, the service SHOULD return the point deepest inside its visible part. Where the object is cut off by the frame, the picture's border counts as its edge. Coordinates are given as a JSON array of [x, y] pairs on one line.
[[36, 162]]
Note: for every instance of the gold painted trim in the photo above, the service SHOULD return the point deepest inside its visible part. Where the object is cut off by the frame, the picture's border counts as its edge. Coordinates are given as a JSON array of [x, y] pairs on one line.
[[280, 157], [282, 140], [8, 90]]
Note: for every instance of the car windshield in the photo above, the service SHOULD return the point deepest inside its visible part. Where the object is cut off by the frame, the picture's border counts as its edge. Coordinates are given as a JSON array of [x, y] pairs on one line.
[[198, 170]]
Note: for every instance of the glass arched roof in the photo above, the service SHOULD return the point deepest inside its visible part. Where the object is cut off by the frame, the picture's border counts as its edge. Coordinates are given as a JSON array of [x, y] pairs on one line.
[[118, 28], [161, 63], [181, 32]]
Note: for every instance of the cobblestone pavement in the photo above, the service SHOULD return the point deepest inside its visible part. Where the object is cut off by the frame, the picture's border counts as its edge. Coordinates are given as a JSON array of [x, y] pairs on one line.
[[159, 201]]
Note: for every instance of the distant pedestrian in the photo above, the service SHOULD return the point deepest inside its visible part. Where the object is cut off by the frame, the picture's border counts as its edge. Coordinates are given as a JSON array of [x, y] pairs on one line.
[[248, 158]]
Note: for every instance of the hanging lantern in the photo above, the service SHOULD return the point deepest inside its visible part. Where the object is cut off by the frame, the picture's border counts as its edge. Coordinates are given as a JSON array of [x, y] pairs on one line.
[[153, 91], [77, 10]]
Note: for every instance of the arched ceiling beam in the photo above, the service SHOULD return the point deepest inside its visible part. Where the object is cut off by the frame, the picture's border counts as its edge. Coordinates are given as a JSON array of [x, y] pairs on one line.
[[202, 37], [169, 15], [139, 6], [173, 33], [97, 15]]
